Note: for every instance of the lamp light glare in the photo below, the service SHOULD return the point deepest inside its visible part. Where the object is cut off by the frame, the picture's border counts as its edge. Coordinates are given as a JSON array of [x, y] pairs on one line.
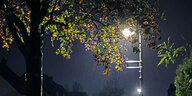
[[127, 32], [139, 90]]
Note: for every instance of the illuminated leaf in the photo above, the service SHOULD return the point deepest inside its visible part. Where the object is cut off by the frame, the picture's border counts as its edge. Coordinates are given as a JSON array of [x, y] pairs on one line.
[[57, 51], [117, 68], [105, 72]]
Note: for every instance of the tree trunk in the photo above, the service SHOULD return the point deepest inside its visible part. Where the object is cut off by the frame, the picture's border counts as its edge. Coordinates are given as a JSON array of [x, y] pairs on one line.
[[33, 67], [33, 64], [34, 53], [34, 61]]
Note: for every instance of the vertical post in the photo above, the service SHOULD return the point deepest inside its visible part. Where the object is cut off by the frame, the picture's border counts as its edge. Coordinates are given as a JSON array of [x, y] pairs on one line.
[[140, 64], [40, 31], [41, 79]]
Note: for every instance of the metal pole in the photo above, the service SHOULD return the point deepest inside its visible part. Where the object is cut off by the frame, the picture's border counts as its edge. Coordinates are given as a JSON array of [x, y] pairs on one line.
[[140, 64]]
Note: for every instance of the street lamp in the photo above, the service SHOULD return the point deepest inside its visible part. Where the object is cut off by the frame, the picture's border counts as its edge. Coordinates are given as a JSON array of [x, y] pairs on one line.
[[126, 32]]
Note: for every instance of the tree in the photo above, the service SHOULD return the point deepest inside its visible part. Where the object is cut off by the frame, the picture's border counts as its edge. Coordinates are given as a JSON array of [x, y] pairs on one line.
[[183, 79], [168, 53], [95, 23]]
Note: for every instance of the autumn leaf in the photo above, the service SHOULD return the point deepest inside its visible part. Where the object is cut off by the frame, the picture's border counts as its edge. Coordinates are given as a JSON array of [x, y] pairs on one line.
[[105, 72]]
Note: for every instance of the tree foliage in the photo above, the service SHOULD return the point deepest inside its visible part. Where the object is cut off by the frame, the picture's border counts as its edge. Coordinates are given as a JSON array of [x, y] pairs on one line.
[[183, 79], [168, 53], [95, 23]]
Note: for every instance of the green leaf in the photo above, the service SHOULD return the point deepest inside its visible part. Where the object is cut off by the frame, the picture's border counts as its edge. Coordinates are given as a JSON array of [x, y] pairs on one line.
[[62, 52], [61, 19], [162, 55], [178, 49], [97, 50], [57, 51], [135, 50], [162, 60], [62, 48], [66, 12], [166, 62], [173, 61]]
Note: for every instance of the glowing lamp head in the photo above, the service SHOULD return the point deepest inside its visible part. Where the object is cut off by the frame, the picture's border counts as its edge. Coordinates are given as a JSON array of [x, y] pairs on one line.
[[127, 32], [139, 90]]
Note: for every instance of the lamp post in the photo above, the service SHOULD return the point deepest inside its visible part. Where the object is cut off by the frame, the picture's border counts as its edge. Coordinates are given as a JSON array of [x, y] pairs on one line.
[[127, 33]]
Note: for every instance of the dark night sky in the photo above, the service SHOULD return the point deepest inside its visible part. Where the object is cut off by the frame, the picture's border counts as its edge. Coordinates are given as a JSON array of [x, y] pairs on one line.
[[82, 69]]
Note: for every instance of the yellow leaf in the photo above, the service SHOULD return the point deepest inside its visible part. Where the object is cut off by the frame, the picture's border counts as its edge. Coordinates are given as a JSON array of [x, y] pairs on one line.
[[65, 30], [113, 28], [69, 24], [58, 18], [17, 8], [117, 68], [114, 40], [2, 37], [57, 8], [106, 18], [88, 25], [111, 60], [54, 35], [145, 22], [104, 40], [77, 31], [29, 12], [64, 55], [46, 18], [105, 72], [94, 47], [115, 49]]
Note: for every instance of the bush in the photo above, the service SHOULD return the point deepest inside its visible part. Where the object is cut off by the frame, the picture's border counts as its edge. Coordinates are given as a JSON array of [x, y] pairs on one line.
[[183, 79]]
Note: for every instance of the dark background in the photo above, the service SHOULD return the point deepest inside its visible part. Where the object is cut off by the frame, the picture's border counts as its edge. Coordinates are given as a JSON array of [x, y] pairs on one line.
[[82, 69]]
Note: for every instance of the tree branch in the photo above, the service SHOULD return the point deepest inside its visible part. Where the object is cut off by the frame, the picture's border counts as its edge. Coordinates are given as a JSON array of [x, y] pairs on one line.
[[51, 14], [98, 21], [13, 31], [44, 9], [21, 26], [88, 14], [51, 22]]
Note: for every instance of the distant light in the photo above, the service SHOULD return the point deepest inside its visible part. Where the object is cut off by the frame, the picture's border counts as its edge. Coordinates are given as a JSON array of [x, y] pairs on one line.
[[139, 90], [127, 32]]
